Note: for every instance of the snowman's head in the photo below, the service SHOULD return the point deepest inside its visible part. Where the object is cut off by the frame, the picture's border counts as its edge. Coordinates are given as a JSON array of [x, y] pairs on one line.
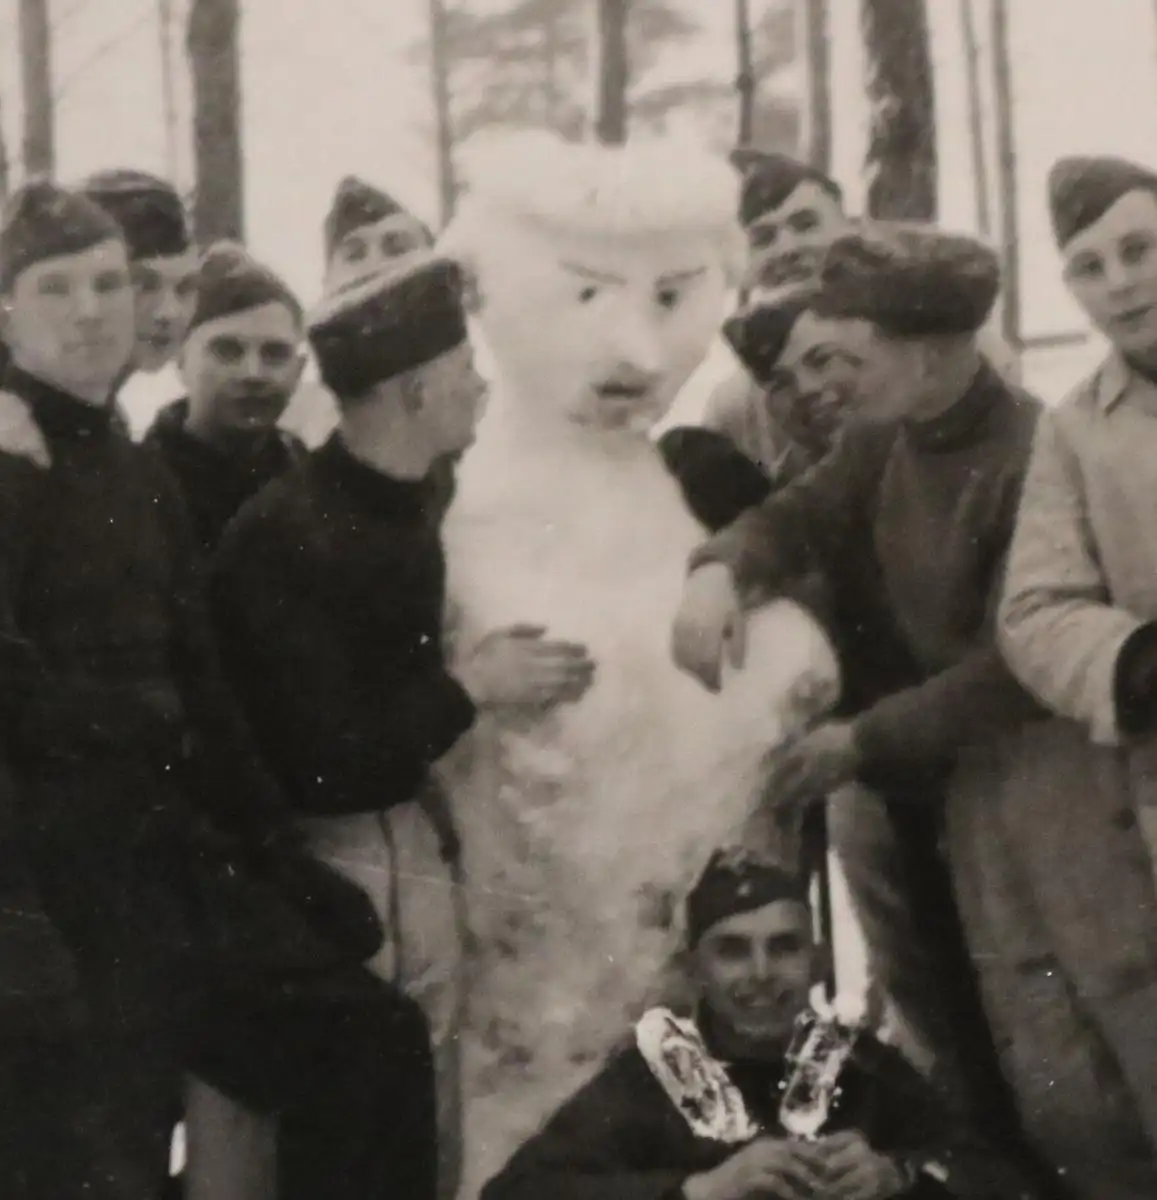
[[601, 274]]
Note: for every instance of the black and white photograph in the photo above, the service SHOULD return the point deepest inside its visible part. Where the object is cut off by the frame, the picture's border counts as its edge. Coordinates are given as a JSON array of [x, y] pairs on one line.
[[574, 612]]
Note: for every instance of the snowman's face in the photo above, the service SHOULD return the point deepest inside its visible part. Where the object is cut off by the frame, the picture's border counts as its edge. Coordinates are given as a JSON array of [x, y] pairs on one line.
[[602, 331]]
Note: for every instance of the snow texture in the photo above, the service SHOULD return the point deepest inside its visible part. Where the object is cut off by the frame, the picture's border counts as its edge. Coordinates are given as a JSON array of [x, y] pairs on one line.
[[583, 830]]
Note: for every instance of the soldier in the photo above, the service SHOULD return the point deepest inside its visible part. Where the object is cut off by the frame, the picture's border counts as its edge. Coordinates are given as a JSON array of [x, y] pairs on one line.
[[329, 593], [203, 933], [241, 362], [1077, 627], [907, 522], [163, 266]]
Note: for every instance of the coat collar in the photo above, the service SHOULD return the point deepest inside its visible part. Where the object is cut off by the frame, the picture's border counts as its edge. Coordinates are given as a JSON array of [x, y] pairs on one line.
[[1116, 380], [967, 419], [371, 489], [59, 414]]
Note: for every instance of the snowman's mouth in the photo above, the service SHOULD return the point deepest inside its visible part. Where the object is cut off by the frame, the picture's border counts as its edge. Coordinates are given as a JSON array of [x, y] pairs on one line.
[[622, 392]]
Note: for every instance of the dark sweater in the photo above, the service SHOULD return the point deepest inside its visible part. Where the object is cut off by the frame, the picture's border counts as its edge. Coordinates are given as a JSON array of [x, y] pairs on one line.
[[106, 643], [216, 482], [910, 525], [328, 591], [622, 1138]]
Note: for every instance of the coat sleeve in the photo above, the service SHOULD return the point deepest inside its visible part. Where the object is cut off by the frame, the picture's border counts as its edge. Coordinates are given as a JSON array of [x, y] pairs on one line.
[[911, 1121], [718, 481], [338, 747], [967, 704], [600, 1143], [1058, 627], [805, 526]]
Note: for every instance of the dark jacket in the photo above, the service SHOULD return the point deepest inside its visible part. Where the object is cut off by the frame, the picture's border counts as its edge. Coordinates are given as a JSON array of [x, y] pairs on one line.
[[621, 1137], [328, 591], [215, 483], [145, 805]]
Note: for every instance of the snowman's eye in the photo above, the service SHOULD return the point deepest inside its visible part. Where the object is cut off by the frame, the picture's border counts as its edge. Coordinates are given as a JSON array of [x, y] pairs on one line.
[[668, 297], [588, 293]]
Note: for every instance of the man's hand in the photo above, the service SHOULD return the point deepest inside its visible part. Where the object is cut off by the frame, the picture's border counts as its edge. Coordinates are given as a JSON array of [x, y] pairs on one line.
[[854, 1171], [767, 1167], [812, 766], [520, 667], [709, 625]]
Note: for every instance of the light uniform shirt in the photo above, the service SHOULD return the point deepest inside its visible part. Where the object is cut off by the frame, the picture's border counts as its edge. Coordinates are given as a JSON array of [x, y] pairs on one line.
[[1082, 574]]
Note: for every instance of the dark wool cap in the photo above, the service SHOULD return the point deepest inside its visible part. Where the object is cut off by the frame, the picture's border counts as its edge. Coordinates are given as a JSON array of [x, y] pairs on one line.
[[43, 220], [1082, 190], [232, 281], [148, 210], [909, 280], [737, 881], [357, 203], [759, 333], [393, 322], [769, 178]]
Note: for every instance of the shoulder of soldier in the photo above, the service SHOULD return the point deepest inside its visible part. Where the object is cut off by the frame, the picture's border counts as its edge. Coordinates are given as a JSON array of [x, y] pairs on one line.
[[20, 435], [278, 524]]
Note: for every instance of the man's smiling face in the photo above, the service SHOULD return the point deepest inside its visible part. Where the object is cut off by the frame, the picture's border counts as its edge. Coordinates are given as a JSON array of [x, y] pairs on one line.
[[603, 331]]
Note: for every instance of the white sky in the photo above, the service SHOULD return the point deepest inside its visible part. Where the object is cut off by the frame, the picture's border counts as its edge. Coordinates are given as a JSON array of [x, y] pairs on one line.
[[327, 92]]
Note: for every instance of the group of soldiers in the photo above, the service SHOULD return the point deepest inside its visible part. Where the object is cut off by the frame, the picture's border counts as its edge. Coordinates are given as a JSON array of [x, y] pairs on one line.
[[224, 671]]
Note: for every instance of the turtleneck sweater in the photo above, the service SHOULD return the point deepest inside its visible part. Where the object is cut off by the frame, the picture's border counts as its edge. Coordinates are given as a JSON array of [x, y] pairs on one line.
[[908, 524], [328, 592]]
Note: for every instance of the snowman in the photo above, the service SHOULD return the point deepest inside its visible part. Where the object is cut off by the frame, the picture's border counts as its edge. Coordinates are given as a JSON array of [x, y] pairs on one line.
[[600, 278]]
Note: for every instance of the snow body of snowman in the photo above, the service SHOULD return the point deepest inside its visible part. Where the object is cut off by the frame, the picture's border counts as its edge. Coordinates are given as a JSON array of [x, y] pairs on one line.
[[602, 276]]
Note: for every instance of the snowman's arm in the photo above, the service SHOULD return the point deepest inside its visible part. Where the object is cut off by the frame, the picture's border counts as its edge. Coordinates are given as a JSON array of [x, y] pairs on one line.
[[342, 746], [810, 523]]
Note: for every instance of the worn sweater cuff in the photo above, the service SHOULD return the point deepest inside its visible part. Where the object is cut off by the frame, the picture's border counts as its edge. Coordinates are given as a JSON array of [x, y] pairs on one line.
[[455, 714], [1135, 682]]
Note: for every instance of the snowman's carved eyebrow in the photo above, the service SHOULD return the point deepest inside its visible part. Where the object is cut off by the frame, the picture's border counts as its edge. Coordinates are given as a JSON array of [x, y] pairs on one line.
[[667, 279], [674, 278], [591, 274]]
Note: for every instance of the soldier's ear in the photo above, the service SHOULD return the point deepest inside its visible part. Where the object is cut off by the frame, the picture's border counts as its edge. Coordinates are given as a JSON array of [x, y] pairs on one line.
[[471, 290]]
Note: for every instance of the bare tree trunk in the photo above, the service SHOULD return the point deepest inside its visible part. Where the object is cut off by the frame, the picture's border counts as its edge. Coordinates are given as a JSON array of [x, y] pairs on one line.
[[5, 165], [443, 124], [817, 132], [976, 117], [613, 72], [744, 74], [36, 74], [1006, 167], [901, 160], [168, 87], [212, 40]]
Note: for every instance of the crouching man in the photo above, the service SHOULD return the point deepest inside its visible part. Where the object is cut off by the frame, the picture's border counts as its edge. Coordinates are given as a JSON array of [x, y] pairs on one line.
[[690, 1109], [329, 594]]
